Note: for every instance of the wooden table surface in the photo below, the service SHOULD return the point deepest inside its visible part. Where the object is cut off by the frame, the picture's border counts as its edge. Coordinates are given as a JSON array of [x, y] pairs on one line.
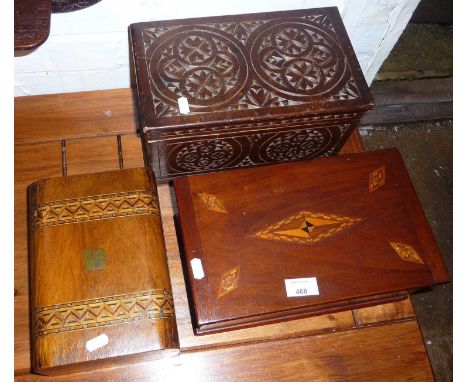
[[95, 131]]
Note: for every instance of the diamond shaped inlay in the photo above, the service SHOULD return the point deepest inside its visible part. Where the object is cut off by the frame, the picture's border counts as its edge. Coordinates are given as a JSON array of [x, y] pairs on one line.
[[212, 202], [307, 227], [376, 179], [229, 281], [406, 252]]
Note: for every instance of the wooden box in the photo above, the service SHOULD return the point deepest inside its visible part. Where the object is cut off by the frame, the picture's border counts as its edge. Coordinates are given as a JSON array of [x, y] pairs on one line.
[[351, 226], [100, 287], [261, 88]]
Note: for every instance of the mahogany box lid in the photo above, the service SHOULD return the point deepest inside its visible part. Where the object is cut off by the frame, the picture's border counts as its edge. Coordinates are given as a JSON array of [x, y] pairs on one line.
[[235, 68], [351, 225], [100, 287]]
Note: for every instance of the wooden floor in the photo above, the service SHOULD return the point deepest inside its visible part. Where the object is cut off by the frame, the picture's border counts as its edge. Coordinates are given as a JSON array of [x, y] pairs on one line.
[[95, 131]]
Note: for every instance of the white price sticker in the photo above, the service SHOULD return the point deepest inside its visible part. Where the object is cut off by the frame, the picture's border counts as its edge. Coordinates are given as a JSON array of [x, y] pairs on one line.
[[97, 342], [197, 268], [301, 287], [183, 105]]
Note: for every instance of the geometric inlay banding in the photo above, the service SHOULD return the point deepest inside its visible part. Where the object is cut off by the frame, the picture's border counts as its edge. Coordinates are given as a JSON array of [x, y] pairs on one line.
[[406, 252], [103, 311], [307, 227], [95, 207]]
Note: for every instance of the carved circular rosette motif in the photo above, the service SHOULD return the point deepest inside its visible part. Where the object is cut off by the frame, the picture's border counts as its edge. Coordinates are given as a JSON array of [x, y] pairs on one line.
[[295, 145], [204, 155], [296, 59], [205, 65]]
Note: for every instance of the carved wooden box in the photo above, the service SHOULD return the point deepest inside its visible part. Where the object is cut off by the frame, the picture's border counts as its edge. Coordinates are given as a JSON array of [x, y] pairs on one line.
[[261, 88], [304, 238], [100, 287]]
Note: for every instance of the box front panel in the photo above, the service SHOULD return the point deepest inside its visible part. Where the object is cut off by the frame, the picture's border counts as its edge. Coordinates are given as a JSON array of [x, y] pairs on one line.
[[191, 151]]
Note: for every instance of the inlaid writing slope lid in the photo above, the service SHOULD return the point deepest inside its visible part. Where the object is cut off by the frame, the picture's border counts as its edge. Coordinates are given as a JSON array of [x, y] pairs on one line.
[[231, 68], [303, 238], [100, 287]]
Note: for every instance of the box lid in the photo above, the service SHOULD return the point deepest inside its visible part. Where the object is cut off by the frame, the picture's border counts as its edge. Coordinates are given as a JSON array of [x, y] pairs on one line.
[[351, 224], [100, 287], [233, 68]]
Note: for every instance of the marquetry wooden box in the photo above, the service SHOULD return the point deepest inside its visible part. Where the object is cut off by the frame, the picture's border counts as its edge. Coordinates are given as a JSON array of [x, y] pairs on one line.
[[100, 287], [261, 88], [312, 237]]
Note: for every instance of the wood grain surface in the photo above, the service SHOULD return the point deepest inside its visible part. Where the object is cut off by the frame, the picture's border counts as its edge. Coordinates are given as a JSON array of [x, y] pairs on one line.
[[32, 23], [132, 155], [98, 267], [410, 101], [252, 229], [390, 351], [385, 312], [59, 116], [47, 162], [84, 154]]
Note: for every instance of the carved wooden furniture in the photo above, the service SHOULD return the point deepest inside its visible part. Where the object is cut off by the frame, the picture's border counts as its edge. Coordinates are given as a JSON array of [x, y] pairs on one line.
[[62, 6], [72, 135], [100, 287], [351, 225], [32, 23], [261, 88]]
